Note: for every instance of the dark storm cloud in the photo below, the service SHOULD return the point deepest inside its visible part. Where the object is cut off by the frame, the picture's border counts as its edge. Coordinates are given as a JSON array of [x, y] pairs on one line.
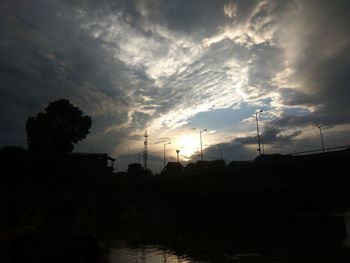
[[318, 55], [230, 151], [202, 18], [320, 49], [293, 97], [270, 135], [194, 17], [48, 52], [266, 61], [46, 55]]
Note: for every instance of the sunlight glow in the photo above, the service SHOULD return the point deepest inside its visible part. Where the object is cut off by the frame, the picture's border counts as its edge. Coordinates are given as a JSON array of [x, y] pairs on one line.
[[189, 144]]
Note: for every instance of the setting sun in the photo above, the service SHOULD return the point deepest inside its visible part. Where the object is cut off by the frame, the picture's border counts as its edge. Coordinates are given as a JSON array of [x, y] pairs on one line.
[[189, 144]]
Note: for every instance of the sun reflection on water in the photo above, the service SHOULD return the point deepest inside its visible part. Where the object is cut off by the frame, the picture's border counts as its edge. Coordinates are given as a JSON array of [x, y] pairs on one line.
[[145, 254]]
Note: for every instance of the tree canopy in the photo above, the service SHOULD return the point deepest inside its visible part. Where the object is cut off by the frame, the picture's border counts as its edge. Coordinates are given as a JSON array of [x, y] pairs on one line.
[[57, 128], [135, 170]]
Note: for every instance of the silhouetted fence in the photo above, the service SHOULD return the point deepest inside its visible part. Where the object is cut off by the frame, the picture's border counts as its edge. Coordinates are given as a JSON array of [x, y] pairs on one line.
[[331, 149]]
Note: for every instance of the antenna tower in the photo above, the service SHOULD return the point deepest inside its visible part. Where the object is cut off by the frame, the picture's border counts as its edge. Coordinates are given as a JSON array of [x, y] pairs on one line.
[[145, 151]]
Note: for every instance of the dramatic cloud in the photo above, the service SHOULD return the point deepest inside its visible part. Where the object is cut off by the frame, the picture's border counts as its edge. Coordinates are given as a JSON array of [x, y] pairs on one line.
[[161, 65]]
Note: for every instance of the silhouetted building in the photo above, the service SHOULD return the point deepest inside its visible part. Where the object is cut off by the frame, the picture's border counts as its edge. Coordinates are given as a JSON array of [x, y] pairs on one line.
[[172, 168], [240, 163], [205, 166], [93, 164]]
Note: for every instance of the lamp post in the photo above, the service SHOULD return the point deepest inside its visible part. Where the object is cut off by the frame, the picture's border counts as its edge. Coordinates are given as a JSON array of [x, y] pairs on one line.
[[164, 152], [321, 137], [220, 157], [200, 137], [177, 155], [257, 130]]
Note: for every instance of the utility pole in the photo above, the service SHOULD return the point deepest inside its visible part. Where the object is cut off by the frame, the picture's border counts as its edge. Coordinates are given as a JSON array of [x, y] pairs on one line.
[[321, 138], [257, 130], [200, 138], [164, 152], [220, 157], [145, 151]]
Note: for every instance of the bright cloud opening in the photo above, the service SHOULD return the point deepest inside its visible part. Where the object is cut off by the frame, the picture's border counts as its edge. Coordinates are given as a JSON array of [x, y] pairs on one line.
[[189, 145]]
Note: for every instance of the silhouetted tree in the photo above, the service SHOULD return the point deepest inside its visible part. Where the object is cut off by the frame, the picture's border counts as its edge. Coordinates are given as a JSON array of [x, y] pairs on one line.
[[57, 128]]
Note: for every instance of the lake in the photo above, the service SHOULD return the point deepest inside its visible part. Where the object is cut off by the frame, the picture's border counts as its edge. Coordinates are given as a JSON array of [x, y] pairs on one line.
[[240, 241], [203, 244], [154, 253]]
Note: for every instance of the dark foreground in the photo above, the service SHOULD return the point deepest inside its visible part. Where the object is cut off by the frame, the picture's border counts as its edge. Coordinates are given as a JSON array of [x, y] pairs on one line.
[[276, 209]]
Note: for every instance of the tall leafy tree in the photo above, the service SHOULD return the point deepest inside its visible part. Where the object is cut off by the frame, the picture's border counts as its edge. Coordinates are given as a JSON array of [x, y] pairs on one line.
[[56, 129]]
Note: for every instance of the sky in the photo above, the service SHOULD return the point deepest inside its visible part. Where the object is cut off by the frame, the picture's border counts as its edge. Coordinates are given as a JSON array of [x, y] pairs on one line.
[[178, 67]]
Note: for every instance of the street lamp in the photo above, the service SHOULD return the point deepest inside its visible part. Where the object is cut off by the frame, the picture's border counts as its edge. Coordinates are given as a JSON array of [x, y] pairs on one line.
[[257, 130], [164, 152], [321, 137], [200, 137], [177, 155]]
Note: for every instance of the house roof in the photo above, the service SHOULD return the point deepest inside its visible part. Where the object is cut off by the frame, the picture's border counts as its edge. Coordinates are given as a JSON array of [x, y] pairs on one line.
[[97, 155]]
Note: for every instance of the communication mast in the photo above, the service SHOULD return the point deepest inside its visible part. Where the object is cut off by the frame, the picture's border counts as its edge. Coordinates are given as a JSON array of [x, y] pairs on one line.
[[145, 151]]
